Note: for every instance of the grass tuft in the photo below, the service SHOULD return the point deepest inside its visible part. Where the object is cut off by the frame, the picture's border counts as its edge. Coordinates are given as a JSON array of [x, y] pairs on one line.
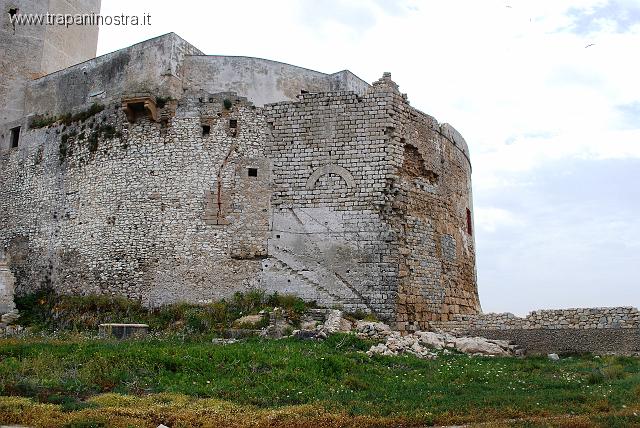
[[48, 311]]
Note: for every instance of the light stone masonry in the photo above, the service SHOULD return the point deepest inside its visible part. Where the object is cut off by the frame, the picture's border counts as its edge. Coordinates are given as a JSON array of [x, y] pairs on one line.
[[164, 175]]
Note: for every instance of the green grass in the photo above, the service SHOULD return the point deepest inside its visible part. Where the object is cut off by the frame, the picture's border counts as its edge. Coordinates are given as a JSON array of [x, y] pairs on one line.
[[47, 311], [334, 376]]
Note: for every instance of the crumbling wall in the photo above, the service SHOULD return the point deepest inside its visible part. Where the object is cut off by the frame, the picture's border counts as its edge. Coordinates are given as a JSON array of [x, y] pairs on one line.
[[432, 203], [182, 189]]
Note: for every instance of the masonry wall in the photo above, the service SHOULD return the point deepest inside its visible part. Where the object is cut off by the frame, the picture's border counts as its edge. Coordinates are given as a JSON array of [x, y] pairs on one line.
[[31, 51], [134, 216], [599, 330], [329, 241], [345, 197], [430, 195], [154, 67]]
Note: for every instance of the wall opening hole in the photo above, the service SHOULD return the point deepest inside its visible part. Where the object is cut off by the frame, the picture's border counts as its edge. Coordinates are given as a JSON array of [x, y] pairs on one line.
[[277, 236], [13, 11], [206, 130], [302, 91], [252, 172], [15, 136], [137, 111], [210, 99], [233, 123], [469, 225]]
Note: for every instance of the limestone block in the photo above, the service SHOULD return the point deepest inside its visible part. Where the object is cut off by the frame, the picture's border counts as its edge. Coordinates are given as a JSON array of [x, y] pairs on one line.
[[7, 289]]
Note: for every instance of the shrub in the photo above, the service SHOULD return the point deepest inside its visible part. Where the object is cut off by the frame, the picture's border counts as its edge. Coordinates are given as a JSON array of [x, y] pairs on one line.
[[86, 114], [39, 121], [196, 320], [66, 119], [108, 131], [227, 103]]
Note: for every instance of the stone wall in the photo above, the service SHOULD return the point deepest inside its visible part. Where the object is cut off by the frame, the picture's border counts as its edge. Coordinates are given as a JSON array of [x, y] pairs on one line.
[[432, 203], [330, 154], [345, 197], [134, 216], [580, 330], [30, 51], [578, 318], [154, 67], [568, 340]]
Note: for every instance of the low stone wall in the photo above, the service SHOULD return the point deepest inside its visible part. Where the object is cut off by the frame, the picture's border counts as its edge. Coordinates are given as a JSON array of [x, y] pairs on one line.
[[545, 341], [600, 330]]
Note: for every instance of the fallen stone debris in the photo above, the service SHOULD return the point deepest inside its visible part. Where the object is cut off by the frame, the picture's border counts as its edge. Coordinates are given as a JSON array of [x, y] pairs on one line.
[[8, 326], [423, 344]]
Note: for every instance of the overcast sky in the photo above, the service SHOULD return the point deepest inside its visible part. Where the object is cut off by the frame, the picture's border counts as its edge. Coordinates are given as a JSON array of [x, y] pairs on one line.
[[546, 93]]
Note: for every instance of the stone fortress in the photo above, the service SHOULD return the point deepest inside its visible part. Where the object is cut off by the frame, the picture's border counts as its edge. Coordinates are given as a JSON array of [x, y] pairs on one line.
[[162, 174]]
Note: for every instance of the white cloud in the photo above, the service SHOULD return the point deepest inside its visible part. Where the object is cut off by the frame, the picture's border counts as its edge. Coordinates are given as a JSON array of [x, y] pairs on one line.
[[490, 219]]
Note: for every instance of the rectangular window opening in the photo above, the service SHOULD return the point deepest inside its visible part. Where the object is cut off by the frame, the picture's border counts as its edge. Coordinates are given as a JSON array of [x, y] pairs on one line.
[[252, 172], [469, 225], [15, 136], [233, 123], [206, 130]]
